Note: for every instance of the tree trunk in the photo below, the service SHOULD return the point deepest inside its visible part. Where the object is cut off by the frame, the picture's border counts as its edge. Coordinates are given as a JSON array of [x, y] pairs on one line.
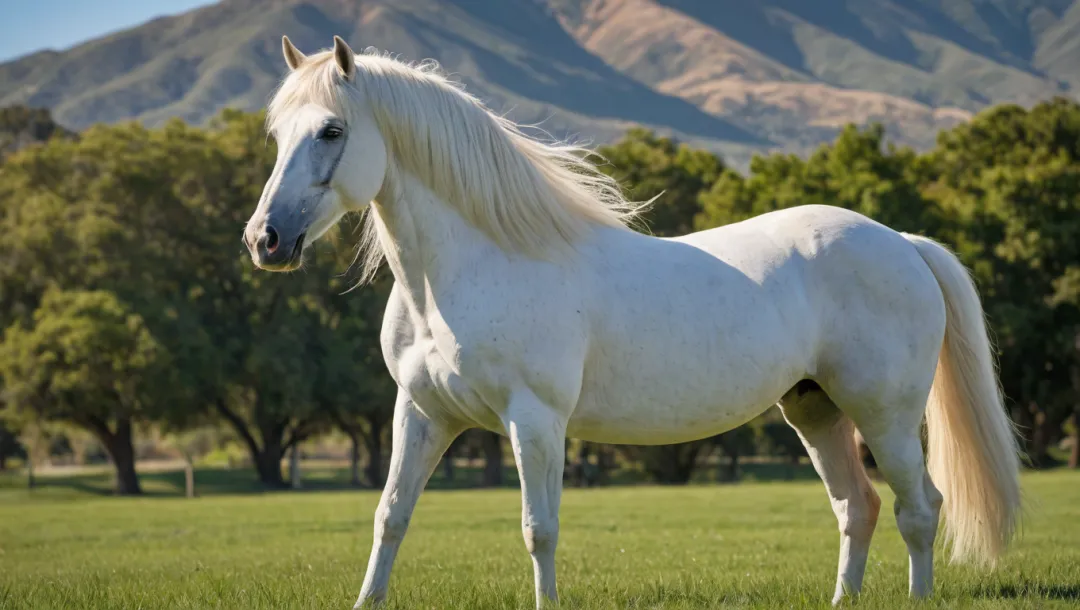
[[1040, 439], [728, 472], [448, 464], [30, 482], [122, 452], [729, 468], [267, 459], [3, 461], [793, 464], [1074, 451], [294, 467], [493, 459], [268, 467], [672, 464], [605, 463], [582, 466], [354, 461], [374, 471]]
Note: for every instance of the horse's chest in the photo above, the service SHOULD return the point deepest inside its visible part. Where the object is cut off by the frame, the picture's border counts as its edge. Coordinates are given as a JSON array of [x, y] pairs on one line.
[[444, 382]]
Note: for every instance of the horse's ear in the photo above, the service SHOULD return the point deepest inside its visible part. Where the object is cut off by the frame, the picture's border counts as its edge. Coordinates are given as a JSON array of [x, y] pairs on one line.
[[344, 58], [293, 56]]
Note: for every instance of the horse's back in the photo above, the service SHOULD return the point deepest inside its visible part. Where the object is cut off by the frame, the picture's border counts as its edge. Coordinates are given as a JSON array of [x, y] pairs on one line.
[[878, 307]]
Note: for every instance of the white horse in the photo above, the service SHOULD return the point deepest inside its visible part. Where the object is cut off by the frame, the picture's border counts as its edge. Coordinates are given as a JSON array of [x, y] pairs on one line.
[[524, 305]]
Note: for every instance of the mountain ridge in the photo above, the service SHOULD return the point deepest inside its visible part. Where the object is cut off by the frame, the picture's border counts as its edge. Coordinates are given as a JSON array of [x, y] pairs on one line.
[[731, 76]]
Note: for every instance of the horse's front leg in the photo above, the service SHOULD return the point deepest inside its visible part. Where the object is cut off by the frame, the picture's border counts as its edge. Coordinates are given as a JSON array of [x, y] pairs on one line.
[[418, 444], [538, 435]]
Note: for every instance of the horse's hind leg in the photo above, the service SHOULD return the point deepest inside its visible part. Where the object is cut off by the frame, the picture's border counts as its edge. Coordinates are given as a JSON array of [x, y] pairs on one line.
[[829, 438], [898, 451]]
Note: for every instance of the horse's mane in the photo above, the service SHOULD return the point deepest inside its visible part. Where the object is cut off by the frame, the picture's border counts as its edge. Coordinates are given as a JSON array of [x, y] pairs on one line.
[[526, 195]]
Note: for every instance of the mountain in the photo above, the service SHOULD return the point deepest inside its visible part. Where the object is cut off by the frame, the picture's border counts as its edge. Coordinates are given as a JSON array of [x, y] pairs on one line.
[[731, 75]]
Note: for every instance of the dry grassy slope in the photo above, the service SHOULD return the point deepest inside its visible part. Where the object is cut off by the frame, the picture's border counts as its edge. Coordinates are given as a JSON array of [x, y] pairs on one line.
[[733, 75], [793, 72], [1058, 53]]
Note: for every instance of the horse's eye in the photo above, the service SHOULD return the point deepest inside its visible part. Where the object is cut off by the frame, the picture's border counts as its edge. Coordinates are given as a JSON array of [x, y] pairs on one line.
[[332, 133]]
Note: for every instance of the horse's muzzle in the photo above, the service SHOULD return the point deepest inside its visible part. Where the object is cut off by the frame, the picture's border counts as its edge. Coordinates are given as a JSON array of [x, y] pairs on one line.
[[272, 252]]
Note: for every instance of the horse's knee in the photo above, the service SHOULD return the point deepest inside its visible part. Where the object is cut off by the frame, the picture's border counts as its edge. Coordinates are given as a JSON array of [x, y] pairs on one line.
[[859, 516], [390, 528], [541, 536]]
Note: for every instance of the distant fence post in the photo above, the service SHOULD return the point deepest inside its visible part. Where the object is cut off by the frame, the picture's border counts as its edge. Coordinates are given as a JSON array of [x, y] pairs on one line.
[[189, 476]]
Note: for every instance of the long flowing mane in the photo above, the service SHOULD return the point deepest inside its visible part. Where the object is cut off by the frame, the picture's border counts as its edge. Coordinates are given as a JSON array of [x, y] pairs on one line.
[[526, 195]]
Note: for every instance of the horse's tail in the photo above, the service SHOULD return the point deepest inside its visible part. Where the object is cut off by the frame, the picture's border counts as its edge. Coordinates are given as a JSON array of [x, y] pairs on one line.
[[972, 453]]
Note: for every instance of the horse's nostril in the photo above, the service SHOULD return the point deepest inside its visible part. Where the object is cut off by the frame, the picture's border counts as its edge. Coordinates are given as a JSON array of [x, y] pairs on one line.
[[271, 240]]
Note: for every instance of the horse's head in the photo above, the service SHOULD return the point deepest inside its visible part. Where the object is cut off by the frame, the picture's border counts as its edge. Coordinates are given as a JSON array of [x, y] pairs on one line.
[[315, 129], [356, 129]]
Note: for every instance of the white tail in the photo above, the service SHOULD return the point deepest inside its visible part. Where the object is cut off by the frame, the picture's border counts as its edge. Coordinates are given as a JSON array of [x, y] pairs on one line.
[[972, 453]]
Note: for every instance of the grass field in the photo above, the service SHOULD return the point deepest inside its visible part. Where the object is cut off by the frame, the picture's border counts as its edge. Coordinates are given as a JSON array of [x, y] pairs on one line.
[[763, 545]]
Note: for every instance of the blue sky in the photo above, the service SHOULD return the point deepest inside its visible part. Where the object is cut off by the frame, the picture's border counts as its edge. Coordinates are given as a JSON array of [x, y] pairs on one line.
[[31, 25]]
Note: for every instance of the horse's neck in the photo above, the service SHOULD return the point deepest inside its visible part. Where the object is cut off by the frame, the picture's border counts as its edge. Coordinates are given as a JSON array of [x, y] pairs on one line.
[[429, 245]]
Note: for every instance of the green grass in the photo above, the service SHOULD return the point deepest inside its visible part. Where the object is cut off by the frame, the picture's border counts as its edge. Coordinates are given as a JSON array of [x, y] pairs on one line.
[[765, 545]]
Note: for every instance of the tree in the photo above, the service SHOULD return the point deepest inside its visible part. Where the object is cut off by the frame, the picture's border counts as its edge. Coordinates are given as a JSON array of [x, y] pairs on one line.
[[127, 224], [1009, 182], [270, 400], [858, 172], [735, 443], [492, 445], [662, 168], [784, 440], [667, 464], [152, 216], [9, 445], [90, 361], [21, 126], [355, 389]]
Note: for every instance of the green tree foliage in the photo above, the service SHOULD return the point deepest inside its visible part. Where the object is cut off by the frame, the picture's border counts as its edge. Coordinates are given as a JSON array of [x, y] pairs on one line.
[[10, 447], [353, 387], [742, 441], [674, 174], [21, 126], [1010, 184], [88, 360], [154, 217], [857, 172], [128, 296]]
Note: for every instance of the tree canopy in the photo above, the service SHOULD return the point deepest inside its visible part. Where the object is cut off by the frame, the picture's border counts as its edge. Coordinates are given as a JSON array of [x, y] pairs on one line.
[[129, 300]]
